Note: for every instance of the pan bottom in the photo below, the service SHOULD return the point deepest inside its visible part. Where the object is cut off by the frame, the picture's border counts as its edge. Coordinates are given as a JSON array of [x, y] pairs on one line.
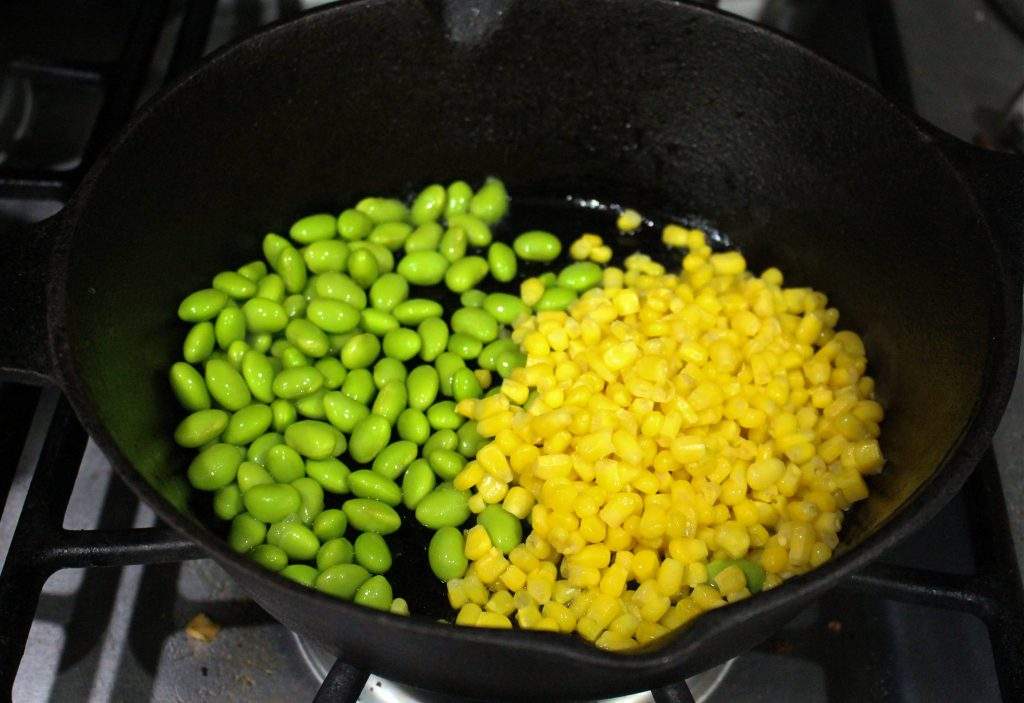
[[379, 690]]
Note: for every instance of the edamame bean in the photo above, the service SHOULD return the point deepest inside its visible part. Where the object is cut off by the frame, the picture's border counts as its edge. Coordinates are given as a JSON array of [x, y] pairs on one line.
[[264, 315], [442, 416], [234, 285], [236, 352], [443, 507], [189, 387], [338, 286], [292, 358], [580, 276], [296, 382], [284, 463], [390, 402], [198, 343], [245, 533], [394, 459], [341, 580], [421, 387], [360, 351], [314, 439], [488, 358], [258, 373], [312, 499], [423, 268], [321, 257], [363, 267], [413, 426], [442, 439], [555, 298], [416, 310], [391, 235], [477, 232], [504, 528], [254, 270], [470, 441], [370, 435], [418, 481], [429, 204], [447, 364], [269, 557], [502, 260], [343, 412], [476, 323], [273, 245], [368, 515], [334, 316], [257, 451], [313, 228], [465, 385], [284, 414], [383, 209], [226, 385], [248, 423], [353, 224], [297, 540], [331, 474], [312, 406], [465, 273], [307, 338], [385, 259], [505, 308], [433, 333], [458, 197], [453, 244], [359, 386], [446, 463], [508, 361], [271, 502], [472, 298], [292, 269], [537, 245], [548, 278], [336, 551], [260, 342], [388, 291], [374, 593], [333, 371], [446, 554], [202, 305], [464, 346], [270, 287], [250, 474], [402, 344], [372, 553], [227, 502], [303, 574], [387, 370], [490, 202], [330, 524], [377, 321], [426, 237]]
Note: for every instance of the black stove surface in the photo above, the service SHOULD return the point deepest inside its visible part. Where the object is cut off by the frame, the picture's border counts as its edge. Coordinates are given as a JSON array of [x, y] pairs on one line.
[[938, 620]]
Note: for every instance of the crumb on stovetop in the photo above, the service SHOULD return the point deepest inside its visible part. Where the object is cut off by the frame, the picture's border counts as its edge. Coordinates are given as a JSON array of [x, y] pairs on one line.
[[202, 628]]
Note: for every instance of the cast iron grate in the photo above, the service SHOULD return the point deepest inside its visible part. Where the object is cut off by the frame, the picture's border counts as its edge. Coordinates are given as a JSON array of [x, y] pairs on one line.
[[41, 545]]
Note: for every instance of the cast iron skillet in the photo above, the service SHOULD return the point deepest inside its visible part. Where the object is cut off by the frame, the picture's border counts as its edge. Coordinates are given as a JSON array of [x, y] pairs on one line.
[[916, 237]]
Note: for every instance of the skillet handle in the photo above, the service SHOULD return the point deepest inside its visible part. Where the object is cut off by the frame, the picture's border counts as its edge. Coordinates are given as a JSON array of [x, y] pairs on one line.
[[997, 180], [25, 257]]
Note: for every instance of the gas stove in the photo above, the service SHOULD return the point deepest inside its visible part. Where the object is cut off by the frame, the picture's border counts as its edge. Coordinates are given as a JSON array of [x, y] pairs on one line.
[[99, 602]]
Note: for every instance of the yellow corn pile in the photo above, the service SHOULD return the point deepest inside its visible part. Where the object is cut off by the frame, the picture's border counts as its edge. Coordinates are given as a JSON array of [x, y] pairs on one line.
[[666, 421]]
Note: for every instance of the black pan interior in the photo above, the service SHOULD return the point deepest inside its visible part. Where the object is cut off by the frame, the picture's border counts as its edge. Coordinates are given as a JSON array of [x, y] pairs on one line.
[[665, 109]]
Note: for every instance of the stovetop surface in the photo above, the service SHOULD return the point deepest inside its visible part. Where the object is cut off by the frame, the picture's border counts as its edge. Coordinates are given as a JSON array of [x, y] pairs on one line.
[[118, 634]]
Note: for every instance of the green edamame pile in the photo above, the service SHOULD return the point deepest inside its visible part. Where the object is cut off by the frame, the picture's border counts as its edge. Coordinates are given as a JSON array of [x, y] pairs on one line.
[[322, 383]]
